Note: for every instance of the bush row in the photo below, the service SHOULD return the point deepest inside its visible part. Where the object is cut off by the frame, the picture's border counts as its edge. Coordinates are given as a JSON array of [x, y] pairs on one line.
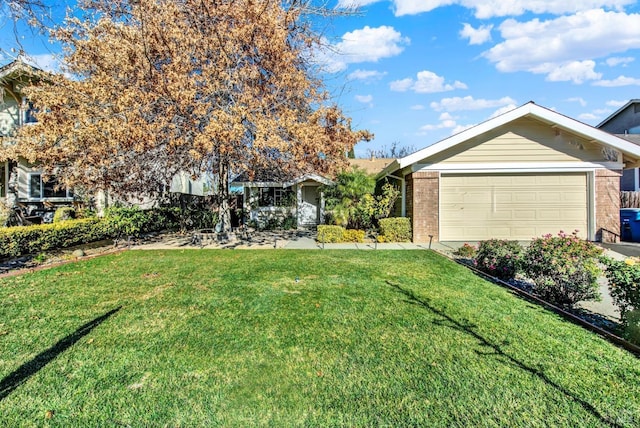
[[564, 270], [118, 223], [393, 229]]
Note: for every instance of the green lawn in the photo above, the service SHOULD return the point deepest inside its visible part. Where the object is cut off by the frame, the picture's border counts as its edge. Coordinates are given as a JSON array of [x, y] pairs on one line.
[[296, 338]]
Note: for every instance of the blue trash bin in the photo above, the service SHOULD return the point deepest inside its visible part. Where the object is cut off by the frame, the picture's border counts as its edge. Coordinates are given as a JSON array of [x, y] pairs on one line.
[[630, 224]]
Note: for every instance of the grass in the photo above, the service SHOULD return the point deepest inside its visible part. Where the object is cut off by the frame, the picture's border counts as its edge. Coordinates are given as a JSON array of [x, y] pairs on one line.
[[295, 338]]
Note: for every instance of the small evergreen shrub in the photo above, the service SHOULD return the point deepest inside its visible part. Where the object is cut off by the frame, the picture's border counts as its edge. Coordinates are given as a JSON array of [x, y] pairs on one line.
[[499, 258], [64, 213], [466, 251], [353, 235], [395, 229], [624, 284], [330, 233], [632, 326], [289, 223], [564, 268], [20, 240]]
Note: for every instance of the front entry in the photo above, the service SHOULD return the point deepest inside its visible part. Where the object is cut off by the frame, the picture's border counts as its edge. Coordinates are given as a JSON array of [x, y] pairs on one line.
[[309, 208]]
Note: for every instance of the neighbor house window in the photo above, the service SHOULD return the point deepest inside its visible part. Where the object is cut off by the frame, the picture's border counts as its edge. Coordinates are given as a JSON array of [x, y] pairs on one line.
[[29, 112], [39, 189]]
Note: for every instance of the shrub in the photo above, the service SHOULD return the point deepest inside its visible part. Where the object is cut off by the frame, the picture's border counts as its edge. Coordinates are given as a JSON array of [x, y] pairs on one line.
[[499, 258], [563, 268], [64, 213], [330, 233], [624, 284], [632, 326], [289, 223], [395, 229], [20, 240], [353, 235], [466, 250]]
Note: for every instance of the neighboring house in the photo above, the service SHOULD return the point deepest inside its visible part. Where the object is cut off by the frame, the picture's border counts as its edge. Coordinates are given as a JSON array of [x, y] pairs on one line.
[[371, 165], [625, 123], [18, 178], [525, 173], [270, 199], [30, 190]]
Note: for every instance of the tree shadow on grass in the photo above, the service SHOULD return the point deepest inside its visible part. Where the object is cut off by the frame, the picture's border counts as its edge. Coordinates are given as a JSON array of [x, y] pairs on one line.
[[496, 350], [28, 369]]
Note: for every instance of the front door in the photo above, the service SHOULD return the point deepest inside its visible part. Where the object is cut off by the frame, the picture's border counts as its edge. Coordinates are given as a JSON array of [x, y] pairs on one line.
[[309, 212]]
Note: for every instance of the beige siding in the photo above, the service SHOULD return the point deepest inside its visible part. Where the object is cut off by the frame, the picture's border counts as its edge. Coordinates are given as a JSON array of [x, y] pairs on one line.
[[512, 206], [9, 116], [524, 140]]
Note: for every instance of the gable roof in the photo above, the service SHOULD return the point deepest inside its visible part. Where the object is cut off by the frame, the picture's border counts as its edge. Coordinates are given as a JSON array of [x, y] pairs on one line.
[[617, 112], [531, 110], [18, 68]]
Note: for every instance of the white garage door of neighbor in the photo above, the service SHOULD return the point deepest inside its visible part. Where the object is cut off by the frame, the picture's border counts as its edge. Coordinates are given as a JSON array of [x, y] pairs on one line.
[[512, 206]]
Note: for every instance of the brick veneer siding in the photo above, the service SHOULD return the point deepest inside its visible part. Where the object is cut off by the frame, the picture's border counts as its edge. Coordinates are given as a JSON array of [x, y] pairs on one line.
[[607, 205], [423, 205]]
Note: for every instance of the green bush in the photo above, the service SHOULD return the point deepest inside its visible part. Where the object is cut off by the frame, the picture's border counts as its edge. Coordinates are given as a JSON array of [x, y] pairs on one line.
[[632, 326], [20, 240], [624, 284], [353, 235], [395, 229], [499, 258], [466, 250], [564, 269], [123, 222], [330, 233], [64, 213]]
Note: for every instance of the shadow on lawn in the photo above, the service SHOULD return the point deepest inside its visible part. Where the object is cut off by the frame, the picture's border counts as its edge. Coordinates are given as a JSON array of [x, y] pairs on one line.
[[28, 369], [497, 350]]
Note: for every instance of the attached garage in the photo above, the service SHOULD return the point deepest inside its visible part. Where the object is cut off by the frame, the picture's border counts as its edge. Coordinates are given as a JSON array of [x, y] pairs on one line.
[[512, 206], [520, 175]]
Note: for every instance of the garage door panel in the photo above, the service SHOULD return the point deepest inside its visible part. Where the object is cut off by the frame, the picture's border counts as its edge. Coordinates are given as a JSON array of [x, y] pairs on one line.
[[512, 206]]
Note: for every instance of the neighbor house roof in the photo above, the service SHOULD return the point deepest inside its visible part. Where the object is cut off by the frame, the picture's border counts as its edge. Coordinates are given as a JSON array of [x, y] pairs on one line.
[[531, 110], [617, 112], [18, 68], [371, 165], [266, 179]]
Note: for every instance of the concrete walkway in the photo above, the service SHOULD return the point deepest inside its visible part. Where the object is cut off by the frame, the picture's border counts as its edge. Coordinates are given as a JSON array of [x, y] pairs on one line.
[[305, 240]]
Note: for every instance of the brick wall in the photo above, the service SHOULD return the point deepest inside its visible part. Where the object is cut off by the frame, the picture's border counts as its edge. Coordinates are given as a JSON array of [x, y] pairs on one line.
[[422, 204], [607, 205]]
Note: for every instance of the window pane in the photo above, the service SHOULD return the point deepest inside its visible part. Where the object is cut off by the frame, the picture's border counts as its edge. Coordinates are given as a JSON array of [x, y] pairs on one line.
[[51, 192], [34, 186]]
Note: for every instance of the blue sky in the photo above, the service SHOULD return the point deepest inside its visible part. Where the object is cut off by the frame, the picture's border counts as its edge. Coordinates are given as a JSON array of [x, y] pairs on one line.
[[418, 71]]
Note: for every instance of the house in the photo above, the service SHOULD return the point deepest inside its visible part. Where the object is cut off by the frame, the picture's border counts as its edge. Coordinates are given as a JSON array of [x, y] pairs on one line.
[[625, 123], [20, 181], [525, 173], [23, 183], [370, 165], [269, 199]]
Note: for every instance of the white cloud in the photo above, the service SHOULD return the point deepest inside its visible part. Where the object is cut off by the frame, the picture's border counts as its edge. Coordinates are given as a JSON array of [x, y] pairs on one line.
[[426, 82], [617, 82], [469, 103], [614, 61], [487, 9], [46, 62], [616, 103], [575, 71], [578, 100], [560, 47], [587, 117], [365, 99], [418, 107], [502, 110], [366, 75], [476, 36], [363, 45], [446, 122]]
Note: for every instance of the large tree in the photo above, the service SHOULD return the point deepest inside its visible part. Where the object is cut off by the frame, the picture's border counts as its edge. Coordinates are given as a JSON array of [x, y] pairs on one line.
[[160, 87]]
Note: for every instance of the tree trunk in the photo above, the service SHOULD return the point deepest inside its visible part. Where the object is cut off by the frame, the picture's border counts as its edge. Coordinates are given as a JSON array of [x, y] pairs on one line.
[[223, 197]]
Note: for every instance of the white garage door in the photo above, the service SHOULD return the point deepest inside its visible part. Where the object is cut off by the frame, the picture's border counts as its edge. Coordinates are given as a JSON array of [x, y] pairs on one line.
[[512, 206]]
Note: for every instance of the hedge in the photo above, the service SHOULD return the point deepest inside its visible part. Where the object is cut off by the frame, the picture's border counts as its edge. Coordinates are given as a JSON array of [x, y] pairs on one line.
[[395, 229], [330, 233], [19, 240]]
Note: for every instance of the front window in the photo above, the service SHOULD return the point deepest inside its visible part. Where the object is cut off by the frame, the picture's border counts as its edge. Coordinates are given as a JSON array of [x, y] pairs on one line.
[[276, 197], [38, 188]]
